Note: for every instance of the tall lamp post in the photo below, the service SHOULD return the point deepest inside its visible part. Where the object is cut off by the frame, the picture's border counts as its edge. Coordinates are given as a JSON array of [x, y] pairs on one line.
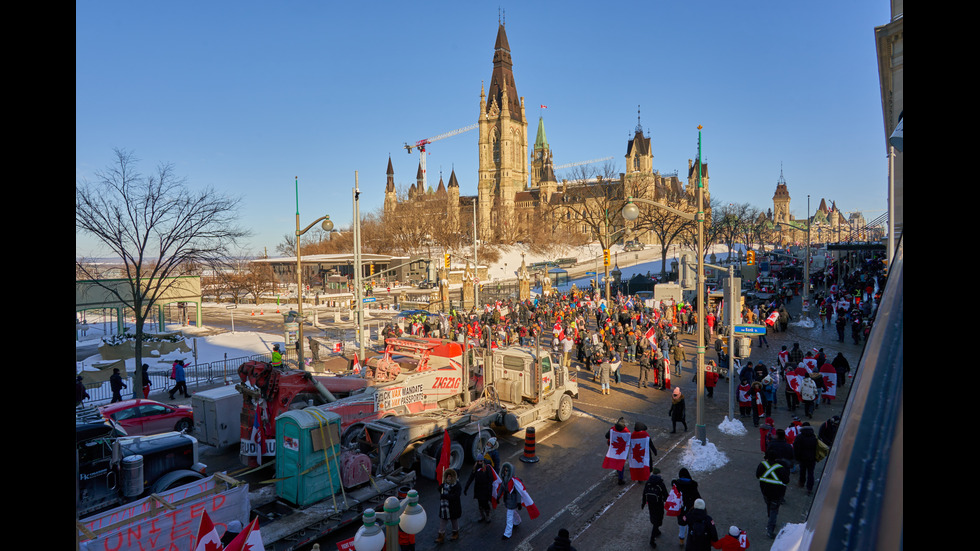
[[632, 212], [358, 285], [327, 226], [406, 514]]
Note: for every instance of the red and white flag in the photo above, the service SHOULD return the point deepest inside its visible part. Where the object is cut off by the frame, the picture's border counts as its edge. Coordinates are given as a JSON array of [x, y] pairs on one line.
[[338, 348], [674, 502], [829, 381], [544, 107], [207, 535], [639, 456], [795, 380], [258, 435], [619, 447], [667, 376], [357, 365], [249, 539], [810, 364], [771, 320], [651, 335]]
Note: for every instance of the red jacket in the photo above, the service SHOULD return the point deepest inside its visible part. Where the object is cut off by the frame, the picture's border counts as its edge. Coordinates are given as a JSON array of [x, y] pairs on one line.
[[731, 543]]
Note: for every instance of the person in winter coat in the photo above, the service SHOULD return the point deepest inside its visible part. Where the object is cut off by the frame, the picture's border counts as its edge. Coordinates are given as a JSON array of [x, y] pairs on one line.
[[605, 370], [805, 452], [562, 542], [780, 449], [842, 367], [828, 431], [808, 393], [736, 540], [710, 378], [773, 477], [678, 356], [450, 507], [676, 411], [654, 495], [512, 492], [80, 393], [180, 378], [689, 495], [701, 528], [483, 479], [116, 384]]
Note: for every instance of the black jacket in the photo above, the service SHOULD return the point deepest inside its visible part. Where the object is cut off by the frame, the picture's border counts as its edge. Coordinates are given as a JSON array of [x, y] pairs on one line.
[[805, 446], [702, 532]]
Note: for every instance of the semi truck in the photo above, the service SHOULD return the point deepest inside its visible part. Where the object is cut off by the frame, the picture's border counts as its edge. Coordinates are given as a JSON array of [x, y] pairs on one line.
[[113, 469], [413, 375], [326, 475]]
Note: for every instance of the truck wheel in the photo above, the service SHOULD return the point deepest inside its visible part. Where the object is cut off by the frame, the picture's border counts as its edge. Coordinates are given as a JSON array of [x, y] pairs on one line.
[[174, 479], [564, 411], [478, 443], [456, 455], [351, 435]]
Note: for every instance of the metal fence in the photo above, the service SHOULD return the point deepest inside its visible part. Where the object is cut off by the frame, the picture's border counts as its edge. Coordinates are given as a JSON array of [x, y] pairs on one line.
[[205, 374]]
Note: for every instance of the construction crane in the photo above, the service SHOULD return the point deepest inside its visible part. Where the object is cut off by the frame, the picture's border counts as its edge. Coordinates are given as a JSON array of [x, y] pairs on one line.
[[569, 165], [420, 145]]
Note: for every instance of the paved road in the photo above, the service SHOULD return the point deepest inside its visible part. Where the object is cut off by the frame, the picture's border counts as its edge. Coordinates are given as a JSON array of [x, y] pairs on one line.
[[573, 492]]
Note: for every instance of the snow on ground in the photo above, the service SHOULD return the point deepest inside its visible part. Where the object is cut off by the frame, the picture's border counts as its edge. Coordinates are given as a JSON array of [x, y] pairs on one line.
[[702, 458], [732, 427]]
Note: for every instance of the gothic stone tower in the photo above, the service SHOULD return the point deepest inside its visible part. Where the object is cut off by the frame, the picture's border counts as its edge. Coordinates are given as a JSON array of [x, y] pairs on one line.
[[503, 147], [391, 198], [542, 168], [780, 201]]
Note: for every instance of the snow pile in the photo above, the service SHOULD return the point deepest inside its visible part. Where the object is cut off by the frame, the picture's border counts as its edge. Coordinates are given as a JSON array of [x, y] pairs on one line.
[[790, 538], [702, 458], [804, 323], [732, 427]]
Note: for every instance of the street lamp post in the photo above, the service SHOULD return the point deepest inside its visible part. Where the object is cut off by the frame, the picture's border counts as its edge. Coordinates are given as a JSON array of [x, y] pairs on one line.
[[632, 212], [327, 226], [406, 514], [358, 285]]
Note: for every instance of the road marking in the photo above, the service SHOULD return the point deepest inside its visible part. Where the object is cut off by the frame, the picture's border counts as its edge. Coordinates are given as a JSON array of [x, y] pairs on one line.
[[525, 544]]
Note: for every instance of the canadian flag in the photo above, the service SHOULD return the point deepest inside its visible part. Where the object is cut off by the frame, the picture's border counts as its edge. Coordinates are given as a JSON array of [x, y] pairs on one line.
[[667, 377], [357, 365], [338, 348], [771, 320], [619, 446], [639, 456], [651, 335], [207, 535], [794, 380], [829, 381], [249, 539], [674, 503], [810, 364]]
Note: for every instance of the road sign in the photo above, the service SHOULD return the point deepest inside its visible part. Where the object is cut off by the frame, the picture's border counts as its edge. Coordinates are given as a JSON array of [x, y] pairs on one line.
[[750, 329], [369, 299], [590, 273]]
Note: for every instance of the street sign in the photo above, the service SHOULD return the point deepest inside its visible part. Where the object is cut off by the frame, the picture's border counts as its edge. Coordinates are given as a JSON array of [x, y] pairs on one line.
[[369, 299], [590, 273], [750, 329]]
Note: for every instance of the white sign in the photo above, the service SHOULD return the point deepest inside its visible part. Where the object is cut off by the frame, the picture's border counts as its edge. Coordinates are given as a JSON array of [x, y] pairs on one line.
[[173, 530]]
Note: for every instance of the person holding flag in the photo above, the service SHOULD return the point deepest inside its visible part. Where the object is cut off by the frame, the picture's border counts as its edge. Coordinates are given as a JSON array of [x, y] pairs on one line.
[[249, 539], [511, 490], [829, 373], [356, 365], [639, 456], [619, 448]]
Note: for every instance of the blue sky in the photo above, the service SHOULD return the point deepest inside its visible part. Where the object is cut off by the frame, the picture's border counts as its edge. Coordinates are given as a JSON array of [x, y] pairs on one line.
[[246, 96]]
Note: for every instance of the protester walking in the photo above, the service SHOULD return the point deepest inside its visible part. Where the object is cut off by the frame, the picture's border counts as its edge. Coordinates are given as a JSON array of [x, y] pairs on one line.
[[450, 507], [116, 384], [654, 495]]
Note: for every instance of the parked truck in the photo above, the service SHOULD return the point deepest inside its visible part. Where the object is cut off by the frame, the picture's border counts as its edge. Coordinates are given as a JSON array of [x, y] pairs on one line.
[[413, 375], [326, 475], [113, 469]]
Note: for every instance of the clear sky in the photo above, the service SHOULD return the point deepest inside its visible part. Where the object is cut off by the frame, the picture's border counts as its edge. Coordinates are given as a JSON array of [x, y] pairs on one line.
[[247, 96]]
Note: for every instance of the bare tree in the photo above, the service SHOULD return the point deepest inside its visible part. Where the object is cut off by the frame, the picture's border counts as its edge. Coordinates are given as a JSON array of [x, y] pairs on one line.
[[732, 222], [157, 226]]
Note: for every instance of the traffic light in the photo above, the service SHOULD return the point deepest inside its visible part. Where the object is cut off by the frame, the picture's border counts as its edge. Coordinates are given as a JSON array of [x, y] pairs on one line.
[[605, 257], [750, 258], [447, 261], [372, 269]]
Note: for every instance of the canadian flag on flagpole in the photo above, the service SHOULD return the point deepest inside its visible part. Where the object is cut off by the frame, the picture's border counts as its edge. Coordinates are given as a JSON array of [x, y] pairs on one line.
[[207, 535], [250, 539], [544, 107], [357, 365]]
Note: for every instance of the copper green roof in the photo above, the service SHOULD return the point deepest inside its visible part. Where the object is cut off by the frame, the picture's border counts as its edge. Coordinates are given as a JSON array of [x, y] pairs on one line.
[[542, 141]]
